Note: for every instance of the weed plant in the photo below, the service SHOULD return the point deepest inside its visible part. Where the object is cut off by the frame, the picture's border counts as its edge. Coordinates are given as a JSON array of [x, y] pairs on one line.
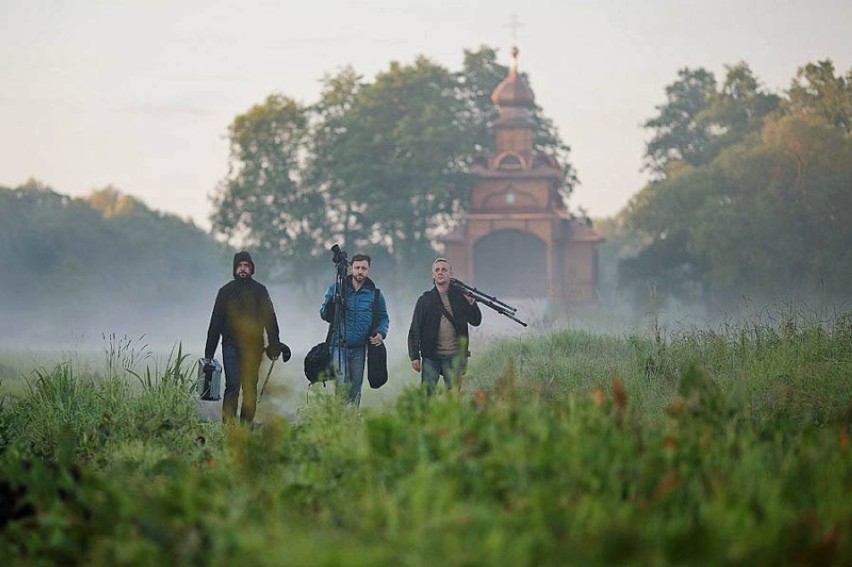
[[727, 447]]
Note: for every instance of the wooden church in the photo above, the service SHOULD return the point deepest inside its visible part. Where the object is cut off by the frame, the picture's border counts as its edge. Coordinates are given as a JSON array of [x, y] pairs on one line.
[[517, 239]]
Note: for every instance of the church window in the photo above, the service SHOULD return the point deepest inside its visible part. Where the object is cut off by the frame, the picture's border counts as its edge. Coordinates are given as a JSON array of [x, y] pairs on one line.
[[510, 162]]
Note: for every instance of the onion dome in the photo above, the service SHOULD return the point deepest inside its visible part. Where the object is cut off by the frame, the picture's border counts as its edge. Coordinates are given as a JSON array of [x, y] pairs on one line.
[[514, 90]]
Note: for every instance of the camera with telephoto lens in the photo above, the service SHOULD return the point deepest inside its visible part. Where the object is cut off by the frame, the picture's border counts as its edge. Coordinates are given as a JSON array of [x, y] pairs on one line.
[[339, 255]]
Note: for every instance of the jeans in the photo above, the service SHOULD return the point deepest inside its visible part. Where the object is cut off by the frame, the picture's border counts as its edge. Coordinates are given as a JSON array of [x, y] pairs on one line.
[[348, 364], [241, 372], [450, 366]]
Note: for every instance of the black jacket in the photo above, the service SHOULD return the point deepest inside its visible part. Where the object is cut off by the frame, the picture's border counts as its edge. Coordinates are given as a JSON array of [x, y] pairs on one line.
[[243, 310], [423, 333]]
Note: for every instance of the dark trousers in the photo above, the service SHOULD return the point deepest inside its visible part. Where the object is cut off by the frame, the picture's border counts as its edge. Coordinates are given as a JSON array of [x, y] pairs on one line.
[[242, 366], [450, 366]]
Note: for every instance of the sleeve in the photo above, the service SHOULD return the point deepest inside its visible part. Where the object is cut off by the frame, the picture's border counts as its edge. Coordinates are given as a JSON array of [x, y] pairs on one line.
[[214, 330], [414, 331], [327, 308], [270, 320], [384, 320], [473, 314]]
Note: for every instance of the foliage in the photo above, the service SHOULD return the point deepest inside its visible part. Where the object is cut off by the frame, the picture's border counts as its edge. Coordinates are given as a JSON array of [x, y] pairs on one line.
[[759, 212], [718, 447], [816, 90], [678, 133], [400, 157], [77, 257], [737, 109], [263, 201], [380, 165], [619, 244]]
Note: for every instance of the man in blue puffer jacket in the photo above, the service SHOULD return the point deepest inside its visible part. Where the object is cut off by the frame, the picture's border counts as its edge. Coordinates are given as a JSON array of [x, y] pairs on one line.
[[355, 327]]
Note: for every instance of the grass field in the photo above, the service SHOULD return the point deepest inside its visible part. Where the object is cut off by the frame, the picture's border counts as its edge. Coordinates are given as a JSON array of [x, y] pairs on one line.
[[728, 446]]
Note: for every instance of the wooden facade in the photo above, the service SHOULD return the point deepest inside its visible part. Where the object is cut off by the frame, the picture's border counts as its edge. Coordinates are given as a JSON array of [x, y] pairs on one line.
[[517, 238]]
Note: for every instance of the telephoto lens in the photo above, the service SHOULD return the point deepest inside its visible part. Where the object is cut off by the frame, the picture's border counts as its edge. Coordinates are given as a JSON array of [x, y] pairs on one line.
[[338, 255]]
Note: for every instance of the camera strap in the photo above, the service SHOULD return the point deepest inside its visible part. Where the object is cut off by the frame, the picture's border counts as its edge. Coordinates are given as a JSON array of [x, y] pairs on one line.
[[447, 313]]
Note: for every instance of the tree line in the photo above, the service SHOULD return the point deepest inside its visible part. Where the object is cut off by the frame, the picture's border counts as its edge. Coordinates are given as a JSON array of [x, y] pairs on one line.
[[83, 258], [750, 192]]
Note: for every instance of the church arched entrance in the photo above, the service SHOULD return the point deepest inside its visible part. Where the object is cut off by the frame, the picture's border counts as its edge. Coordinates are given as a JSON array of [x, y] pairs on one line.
[[511, 263]]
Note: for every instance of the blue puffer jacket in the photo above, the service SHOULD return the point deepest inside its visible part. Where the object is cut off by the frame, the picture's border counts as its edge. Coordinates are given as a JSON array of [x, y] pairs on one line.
[[359, 313]]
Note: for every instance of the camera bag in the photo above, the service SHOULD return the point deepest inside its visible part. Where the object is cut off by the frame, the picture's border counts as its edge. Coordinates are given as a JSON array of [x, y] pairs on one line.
[[377, 356], [318, 361]]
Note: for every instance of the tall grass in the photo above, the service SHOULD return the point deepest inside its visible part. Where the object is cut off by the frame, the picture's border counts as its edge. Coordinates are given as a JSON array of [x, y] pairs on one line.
[[791, 370], [66, 417], [565, 449]]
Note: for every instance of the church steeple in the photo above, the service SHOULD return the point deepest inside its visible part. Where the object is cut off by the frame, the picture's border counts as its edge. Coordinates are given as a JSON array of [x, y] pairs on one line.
[[514, 100], [517, 215], [513, 90]]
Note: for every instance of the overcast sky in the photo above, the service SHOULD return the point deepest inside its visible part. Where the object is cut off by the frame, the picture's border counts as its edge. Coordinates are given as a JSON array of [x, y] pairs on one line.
[[139, 93]]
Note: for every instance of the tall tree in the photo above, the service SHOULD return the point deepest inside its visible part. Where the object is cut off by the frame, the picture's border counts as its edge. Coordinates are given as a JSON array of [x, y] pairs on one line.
[[661, 217], [679, 134], [776, 225], [738, 109], [816, 90], [264, 203], [764, 217], [349, 221], [399, 154]]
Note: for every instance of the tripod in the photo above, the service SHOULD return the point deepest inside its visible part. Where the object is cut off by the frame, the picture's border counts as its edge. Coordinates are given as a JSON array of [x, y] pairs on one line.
[[339, 319], [488, 300]]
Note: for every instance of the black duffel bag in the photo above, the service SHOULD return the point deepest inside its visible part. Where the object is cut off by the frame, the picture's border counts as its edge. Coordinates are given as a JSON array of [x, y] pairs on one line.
[[377, 365], [377, 356]]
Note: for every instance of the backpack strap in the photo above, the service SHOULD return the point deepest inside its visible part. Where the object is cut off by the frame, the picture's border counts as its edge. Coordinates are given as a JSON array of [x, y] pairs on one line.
[[375, 323]]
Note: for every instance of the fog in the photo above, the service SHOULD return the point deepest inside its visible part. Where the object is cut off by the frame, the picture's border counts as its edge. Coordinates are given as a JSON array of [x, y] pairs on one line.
[[146, 334], [86, 324]]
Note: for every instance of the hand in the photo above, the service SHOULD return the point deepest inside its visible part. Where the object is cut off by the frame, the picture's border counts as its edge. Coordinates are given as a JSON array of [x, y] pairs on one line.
[[376, 339], [273, 351], [415, 364], [208, 365], [470, 298]]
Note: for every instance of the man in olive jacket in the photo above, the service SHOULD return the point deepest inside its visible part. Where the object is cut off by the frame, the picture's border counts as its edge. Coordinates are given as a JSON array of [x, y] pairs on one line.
[[243, 310], [438, 336]]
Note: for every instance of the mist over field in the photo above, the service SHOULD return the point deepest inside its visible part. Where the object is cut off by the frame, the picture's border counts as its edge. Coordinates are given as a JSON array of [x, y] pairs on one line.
[[744, 215], [179, 313]]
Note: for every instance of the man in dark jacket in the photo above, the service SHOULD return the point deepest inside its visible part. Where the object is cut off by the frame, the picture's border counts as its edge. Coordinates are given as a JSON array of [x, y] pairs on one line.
[[438, 336], [243, 310], [355, 327]]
